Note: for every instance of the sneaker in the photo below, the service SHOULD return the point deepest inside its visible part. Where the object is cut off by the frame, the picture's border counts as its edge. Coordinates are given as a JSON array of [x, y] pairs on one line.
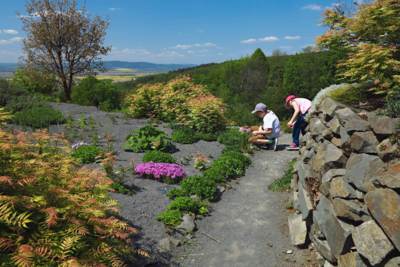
[[293, 147]]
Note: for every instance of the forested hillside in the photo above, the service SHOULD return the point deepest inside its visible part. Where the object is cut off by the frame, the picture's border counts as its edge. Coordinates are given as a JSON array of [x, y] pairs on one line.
[[244, 82]]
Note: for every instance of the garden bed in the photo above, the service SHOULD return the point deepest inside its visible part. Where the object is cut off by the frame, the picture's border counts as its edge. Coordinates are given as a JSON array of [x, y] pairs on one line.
[[149, 199]]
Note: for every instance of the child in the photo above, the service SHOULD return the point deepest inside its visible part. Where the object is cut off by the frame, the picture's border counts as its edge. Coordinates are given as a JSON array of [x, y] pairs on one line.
[[270, 130], [297, 121]]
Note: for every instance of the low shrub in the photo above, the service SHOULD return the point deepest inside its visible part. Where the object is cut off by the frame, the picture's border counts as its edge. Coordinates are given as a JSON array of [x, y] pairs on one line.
[[349, 94], [38, 117], [148, 138], [283, 183], [23, 102], [237, 155], [188, 204], [184, 136], [103, 94], [392, 106], [158, 156], [235, 140], [206, 114], [170, 217], [200, 186], [180, 101], [86, 154], [166, 172], [229, 165], [201, 162], [53, 213], [207, 136], [177, 192]]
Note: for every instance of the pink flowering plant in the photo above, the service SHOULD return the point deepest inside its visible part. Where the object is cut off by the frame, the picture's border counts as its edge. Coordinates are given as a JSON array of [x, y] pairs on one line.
[[165, 172]]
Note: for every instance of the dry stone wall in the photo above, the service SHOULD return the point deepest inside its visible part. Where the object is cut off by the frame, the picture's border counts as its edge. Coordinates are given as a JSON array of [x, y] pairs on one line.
[[346, 188]]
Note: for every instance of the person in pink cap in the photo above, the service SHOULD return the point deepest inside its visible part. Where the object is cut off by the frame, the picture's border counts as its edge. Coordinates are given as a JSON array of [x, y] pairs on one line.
[[297, 122]]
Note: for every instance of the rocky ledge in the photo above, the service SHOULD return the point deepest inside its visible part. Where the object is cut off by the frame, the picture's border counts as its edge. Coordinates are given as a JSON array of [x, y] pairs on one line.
[[346, 189]]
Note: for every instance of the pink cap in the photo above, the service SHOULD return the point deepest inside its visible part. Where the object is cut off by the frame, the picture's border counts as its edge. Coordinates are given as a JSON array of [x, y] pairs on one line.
[[289, 98]]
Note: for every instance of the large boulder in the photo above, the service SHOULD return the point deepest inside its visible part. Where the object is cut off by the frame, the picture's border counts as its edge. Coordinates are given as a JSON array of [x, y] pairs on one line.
[[339, 188], [351, 259], [297, 229], [393, 262], [304, 172], [328, 106], [382, 125], [333, 173], [364, 142], [371, 242], [316, 127], [360, 169], [334, 125], [350, 210], [383, 205], [320, 243], [305, 204], [351, 121], [337, 238], [188, 225], [389, 178], [328, 156], [387, 150]]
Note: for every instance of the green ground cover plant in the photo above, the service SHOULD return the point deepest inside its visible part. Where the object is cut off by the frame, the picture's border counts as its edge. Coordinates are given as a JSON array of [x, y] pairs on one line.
[[283, 184], [87, 153], [158, 156], [235, 140], [148, 138], [38, 117]]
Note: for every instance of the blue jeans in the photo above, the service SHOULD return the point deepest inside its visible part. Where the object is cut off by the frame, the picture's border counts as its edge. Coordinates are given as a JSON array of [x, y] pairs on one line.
[[299, 127]]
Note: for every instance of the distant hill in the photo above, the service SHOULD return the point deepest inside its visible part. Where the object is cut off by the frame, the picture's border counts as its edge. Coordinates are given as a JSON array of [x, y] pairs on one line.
[[143, 67]]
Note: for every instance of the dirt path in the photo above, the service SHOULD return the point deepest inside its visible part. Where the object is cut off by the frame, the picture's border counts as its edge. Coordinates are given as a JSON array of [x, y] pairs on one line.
[[248, 227]]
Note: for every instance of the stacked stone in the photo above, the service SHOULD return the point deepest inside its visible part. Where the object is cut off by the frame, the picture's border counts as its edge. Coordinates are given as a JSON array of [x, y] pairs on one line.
[[347, 187]]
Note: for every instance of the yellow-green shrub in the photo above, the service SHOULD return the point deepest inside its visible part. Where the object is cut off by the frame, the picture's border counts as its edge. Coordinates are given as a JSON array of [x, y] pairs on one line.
[[180, 101], [53, 213]]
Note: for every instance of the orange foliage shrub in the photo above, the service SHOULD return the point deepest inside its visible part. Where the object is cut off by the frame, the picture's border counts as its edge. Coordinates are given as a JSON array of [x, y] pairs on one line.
[[53, 213]]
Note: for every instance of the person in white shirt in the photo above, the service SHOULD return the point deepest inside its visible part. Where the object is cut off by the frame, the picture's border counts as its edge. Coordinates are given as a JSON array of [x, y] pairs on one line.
[[270, 130]]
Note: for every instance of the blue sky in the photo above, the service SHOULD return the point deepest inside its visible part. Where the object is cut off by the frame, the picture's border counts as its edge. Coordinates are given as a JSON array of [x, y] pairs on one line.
[[188, 31]]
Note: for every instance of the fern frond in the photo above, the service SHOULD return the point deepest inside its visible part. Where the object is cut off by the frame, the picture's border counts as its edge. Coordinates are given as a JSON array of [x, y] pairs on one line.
[[6, 243], [68, 245], [52, 216], [24, 256], [13, 218]]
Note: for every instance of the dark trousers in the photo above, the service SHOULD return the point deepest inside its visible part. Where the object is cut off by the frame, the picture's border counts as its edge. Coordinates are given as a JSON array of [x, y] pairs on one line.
[[299, 127]]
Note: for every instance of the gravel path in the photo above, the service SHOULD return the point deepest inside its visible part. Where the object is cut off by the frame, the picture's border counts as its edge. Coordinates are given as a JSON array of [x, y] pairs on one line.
[[248, 227]]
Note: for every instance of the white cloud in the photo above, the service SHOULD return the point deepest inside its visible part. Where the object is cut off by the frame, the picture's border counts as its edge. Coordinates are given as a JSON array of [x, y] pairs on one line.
[[249, 41], [114, 9], [293, 37], [9, 31], [13, 40], [268, 39], [191, 46], [313, 7]]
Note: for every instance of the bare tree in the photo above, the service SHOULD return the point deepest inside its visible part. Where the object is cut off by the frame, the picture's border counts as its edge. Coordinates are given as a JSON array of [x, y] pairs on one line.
[[63, 39]]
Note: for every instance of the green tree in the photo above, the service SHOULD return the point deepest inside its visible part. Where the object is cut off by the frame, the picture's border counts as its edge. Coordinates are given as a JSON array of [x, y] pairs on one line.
[[370, 40], [35, 81]]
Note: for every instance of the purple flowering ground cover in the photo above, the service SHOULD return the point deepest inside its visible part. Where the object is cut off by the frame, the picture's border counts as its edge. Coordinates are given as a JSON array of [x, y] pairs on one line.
[[165, 172]]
